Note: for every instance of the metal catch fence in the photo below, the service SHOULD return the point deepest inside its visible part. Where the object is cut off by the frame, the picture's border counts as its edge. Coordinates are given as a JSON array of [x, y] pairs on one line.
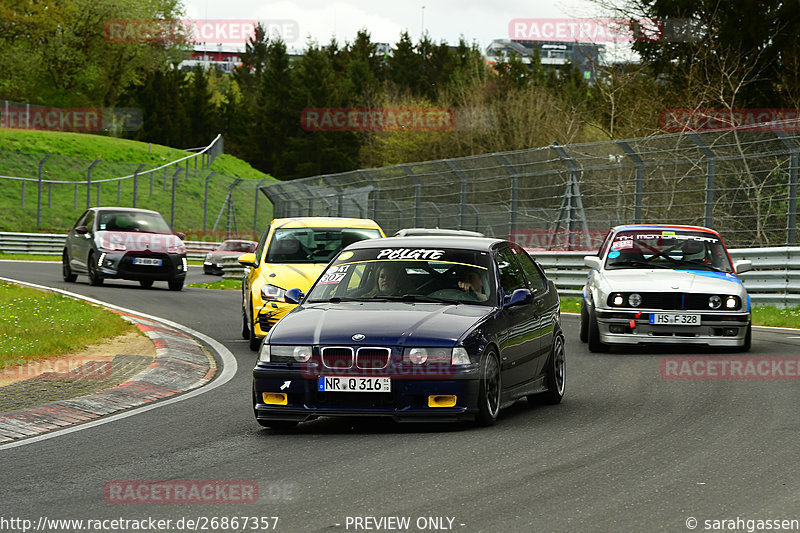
[[742, 182]]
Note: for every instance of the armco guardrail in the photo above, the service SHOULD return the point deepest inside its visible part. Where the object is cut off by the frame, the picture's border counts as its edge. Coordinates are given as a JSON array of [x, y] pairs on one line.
[[775, 280], [53, 244]]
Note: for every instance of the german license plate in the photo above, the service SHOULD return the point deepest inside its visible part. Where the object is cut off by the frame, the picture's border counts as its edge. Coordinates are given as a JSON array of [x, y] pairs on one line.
[[675, 319], [348, 384], [149, 261]]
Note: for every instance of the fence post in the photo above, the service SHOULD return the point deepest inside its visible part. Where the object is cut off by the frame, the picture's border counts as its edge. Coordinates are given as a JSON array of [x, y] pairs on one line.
[[98, 193], [75, 198], [255, 209], [205, 200], [23, 192], [462, 208], [512, 222], [417, 195], [49, 195], [119, 191], [572, 205], [339, 196], [195, 166], [791, 208], [165, 178], [174, 187], [711, 164], [89, 184], [639, 180], [39, 202], [376, 192], [136, 183]]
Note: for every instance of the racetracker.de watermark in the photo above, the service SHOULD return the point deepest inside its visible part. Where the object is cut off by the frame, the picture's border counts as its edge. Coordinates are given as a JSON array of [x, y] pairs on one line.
[[704, 119], [35, 117], [217, 31], [604, 30], [61, 368], [730, 368], [181, 492], [377, 119]]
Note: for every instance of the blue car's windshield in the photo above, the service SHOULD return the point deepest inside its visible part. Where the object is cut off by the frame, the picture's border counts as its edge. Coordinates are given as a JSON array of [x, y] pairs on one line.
[[672, 249], [407, 275]]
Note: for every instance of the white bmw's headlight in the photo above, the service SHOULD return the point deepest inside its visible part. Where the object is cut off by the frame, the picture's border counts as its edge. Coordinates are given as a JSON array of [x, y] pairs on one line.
[[714, 301], [635, 299]]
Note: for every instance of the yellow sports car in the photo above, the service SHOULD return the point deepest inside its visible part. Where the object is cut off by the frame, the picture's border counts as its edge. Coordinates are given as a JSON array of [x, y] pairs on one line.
[[292, 253]]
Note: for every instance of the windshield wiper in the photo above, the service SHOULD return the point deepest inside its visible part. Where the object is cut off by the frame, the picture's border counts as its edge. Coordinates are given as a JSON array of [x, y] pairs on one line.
[[643, 264], [418, 298]]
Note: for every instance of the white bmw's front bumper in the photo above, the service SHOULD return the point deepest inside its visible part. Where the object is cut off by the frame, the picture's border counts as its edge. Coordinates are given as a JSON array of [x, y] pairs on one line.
[[715, 329]]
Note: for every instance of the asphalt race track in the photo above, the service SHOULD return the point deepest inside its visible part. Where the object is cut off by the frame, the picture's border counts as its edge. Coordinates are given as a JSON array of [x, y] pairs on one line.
[[627, 450]]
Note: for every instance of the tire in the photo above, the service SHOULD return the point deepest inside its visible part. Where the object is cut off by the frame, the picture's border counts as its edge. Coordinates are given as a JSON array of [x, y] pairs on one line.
[[95, 278], [66, 271], [583, 333], [278, 424], [175, 284], [556, 375], [593, 336], [255, 342], [489, 391], [146, 283], [245, 326]]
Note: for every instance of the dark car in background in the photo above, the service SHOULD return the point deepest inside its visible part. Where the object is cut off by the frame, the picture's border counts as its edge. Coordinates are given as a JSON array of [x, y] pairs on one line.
[[212, 264], [124, 243], [416, 329]]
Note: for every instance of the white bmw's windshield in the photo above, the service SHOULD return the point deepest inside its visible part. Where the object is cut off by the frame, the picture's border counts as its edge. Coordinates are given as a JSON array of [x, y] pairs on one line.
[[681, 250]]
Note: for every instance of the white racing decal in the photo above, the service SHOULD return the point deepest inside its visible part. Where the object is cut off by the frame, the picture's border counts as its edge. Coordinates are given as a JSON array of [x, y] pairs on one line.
[[408, 253], [676, 237], [333, 275]]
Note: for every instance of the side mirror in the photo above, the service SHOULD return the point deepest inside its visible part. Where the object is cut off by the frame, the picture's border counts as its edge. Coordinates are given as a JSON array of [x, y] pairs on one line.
[[519, 297], [180, 235], [81, 230], [293, 296], [592, 261], [248, 260], [742, 265]]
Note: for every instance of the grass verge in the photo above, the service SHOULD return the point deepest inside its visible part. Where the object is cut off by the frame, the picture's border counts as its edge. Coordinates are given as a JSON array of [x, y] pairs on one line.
[[762, 315], [224, 284], [37, 324]]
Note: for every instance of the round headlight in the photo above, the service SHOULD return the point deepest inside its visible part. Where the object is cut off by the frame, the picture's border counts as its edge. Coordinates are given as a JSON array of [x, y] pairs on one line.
[[418, 355], [714, 301], [618, 299], [730, 303], [302, 353], [635, 300]]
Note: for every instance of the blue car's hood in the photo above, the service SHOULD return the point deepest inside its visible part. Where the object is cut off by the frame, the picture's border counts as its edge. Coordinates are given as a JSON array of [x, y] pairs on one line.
[[381, 323]]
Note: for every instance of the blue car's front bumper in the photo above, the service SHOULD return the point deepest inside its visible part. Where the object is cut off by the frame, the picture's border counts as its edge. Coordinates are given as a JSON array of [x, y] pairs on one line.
[[407, 401]]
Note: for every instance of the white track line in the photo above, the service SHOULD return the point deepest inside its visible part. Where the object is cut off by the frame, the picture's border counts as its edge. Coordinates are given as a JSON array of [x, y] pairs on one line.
[[229, 367]]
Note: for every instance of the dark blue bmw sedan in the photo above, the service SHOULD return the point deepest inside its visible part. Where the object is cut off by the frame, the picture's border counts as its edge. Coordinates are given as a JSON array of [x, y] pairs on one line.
[[417, 329]]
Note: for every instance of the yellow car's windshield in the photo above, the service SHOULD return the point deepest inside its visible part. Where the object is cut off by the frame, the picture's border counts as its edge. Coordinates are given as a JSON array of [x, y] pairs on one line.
[[313, 245]]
